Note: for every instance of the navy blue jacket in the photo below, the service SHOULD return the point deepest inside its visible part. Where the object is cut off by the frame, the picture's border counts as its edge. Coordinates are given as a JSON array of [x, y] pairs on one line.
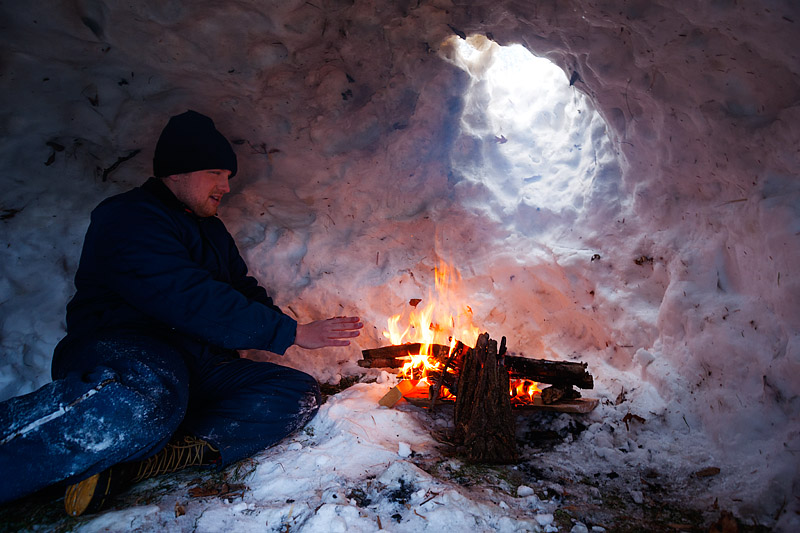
[[149, 265]]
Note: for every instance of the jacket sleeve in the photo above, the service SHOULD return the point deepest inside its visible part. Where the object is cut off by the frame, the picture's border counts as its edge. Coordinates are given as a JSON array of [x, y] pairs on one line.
[[141, 255]]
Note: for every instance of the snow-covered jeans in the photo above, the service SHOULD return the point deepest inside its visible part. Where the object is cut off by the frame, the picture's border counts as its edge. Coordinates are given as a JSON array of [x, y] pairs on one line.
[[129, 396]]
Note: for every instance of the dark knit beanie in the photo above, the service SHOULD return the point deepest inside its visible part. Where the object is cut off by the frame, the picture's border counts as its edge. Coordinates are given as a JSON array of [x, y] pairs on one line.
[[190, 142]]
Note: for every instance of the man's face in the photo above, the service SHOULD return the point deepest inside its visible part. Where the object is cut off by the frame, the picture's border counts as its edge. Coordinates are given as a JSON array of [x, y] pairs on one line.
[[200, 191]]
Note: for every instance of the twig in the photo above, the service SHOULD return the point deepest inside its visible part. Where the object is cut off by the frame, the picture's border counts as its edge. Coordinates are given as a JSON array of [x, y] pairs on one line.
[[438, 386], [732, 202], [107, 172], [432, 496], [627, 104]]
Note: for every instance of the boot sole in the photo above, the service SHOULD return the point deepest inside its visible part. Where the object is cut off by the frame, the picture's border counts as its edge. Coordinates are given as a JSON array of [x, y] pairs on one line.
[[87, 495]]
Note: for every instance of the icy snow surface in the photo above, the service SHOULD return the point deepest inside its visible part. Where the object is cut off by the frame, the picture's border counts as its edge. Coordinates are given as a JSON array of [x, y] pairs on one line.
[[656, 241]]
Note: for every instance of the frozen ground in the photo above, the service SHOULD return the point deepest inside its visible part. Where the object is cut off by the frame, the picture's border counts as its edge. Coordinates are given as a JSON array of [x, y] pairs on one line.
[[360, 467]]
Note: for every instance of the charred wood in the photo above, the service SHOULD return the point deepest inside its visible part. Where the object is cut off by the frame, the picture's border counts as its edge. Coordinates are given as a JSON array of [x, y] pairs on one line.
[[453, 360], [396, 356]]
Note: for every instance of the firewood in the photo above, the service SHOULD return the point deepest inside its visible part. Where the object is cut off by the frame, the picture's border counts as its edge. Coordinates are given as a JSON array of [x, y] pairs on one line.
[[394, 362], [449, 379], [562, 373], [393, 396], [483, 420], [577, 406], [453, 360], [439, 351], [395, 356], [552, 394]]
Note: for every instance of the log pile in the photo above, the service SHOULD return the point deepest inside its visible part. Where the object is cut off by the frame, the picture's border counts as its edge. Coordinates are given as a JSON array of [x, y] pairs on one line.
[[480, 378], [561, 376]]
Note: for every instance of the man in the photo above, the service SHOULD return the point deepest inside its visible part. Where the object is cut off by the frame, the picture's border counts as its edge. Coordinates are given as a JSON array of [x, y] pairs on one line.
[[148, 379]]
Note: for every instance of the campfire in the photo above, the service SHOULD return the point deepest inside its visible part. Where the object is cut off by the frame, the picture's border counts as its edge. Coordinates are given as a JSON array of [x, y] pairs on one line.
[[441, 357]]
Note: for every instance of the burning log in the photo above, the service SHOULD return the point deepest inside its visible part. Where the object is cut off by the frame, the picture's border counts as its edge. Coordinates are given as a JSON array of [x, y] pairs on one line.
[[483, 420], [396, 356], [454, 360], [559, 373]]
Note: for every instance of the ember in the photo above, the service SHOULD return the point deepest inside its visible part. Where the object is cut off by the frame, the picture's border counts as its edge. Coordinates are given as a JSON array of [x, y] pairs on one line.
[[524, 391]]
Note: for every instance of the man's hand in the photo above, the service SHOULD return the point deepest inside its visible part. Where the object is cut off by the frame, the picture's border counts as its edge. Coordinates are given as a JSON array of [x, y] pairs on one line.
[[330, 332]]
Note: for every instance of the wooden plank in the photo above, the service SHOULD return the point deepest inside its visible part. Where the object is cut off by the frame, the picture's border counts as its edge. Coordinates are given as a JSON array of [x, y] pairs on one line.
[[576, 405]]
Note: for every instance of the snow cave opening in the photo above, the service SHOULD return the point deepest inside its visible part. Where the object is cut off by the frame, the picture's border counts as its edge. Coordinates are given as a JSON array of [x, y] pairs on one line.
[[530, 138]]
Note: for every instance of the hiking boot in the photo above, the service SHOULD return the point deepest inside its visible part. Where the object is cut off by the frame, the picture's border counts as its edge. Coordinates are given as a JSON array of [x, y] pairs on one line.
[[91, 494]]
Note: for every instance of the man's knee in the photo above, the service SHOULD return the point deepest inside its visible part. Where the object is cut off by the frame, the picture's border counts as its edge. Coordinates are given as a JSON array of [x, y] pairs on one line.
[[299, 390], [135, 404], [253, 405], [310, 398], [144, 377], [301, 400]]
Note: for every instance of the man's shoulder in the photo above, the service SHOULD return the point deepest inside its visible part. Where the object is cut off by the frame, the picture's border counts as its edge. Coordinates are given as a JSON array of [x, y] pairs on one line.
[[137, 202], [132, 196]]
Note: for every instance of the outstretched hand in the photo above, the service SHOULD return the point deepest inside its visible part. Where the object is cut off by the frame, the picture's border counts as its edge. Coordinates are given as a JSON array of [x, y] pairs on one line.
[[330, 332]]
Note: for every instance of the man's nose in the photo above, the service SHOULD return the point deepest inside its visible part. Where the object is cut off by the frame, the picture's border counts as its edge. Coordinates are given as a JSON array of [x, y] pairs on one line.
[[224, 186]]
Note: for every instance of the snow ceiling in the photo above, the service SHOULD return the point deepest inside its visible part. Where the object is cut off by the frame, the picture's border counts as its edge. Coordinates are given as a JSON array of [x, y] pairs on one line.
[[671, 270]]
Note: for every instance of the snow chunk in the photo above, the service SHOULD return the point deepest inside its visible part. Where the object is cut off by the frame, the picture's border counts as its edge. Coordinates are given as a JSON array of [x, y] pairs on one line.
[[524, 491], [404, 450], [579, 527]]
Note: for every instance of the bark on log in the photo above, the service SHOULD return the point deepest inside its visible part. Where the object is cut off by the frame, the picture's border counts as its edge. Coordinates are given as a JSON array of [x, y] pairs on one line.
[[396, 356], [561, 373], [393, 362], [482, 415]]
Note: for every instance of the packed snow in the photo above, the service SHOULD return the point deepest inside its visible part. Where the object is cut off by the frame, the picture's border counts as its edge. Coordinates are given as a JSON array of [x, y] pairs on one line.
[[635, 208]]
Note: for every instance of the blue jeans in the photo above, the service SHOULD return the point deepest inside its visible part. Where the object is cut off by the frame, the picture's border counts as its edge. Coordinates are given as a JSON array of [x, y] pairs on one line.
[[128, 396]]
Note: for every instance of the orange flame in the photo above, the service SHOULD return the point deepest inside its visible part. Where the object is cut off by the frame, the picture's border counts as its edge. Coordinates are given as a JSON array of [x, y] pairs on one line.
[[445, 322], [439, 322], [524, 391]]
